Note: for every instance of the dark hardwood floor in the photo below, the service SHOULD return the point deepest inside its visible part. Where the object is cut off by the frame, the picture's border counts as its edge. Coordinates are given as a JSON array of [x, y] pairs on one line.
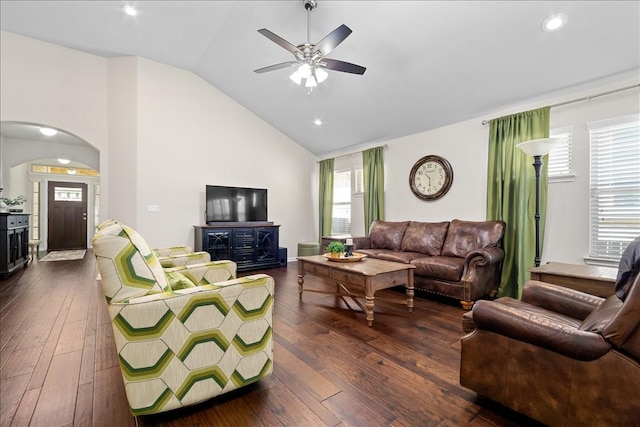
[[59, 366]]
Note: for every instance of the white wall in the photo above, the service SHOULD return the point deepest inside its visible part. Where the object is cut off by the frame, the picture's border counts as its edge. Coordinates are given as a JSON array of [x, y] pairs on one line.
[[121, 159], [465, 145], [51, 85], [163, 135], [189, 135]]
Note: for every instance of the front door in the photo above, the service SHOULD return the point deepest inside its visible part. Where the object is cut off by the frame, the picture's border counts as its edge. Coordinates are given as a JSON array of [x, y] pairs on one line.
[[67, 228]]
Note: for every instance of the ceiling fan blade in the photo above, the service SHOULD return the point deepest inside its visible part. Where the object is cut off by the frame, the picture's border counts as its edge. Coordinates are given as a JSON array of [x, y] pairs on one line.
[[346, 67], [333, 39], [276, 67], [280, 41]]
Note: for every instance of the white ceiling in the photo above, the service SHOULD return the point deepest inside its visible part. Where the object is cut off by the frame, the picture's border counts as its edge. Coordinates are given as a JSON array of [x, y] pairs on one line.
[[429, 63]]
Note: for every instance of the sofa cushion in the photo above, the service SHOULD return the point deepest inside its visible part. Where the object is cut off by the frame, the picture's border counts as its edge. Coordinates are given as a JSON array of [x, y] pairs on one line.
[[440, 267], [390, 255], [425, 237], [387, 235], [466, 236]]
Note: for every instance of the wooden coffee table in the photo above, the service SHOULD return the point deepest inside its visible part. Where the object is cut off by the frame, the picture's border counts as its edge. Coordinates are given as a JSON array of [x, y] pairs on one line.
[[369, 275]]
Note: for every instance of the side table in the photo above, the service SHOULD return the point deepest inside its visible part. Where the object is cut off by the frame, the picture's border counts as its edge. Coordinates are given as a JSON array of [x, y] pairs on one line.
[[594, 280]]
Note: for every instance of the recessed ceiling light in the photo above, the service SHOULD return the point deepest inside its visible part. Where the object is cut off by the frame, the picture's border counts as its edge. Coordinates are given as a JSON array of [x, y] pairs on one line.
[[129, 10], [554, 22], [317, 122], [64, 161], [48, 131]]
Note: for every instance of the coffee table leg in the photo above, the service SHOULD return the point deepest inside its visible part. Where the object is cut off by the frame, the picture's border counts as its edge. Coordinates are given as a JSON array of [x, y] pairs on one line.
[[368, 300], [410, 290], [300, 277], [300, 282], [368, 303]]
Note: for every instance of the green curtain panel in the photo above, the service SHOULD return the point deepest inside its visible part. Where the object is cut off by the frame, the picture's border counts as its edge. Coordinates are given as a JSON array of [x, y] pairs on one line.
[[511, 192], [373, 175], [325, 197]]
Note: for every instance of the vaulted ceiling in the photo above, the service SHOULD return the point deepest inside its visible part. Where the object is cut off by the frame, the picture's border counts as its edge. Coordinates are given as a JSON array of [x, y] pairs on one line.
[[429, 63]]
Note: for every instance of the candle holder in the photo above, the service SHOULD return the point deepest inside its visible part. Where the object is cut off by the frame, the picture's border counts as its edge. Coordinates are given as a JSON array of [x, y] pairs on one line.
[[348, 250]]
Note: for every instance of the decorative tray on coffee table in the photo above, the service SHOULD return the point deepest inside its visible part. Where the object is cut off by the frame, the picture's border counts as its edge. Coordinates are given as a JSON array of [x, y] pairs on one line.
[[355, 257]]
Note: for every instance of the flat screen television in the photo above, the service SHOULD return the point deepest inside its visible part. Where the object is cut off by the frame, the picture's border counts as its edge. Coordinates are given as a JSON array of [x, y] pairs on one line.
[[235, 204]]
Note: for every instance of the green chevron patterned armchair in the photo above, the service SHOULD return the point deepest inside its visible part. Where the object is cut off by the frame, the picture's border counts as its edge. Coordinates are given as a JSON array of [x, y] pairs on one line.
[[173, 256], [183, 335]]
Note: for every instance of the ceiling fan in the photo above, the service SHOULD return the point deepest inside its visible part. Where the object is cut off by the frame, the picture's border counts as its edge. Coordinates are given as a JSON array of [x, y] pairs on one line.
[[311, 60]]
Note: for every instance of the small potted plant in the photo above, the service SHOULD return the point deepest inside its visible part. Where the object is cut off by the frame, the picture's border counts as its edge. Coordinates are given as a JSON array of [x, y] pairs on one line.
[[14, 202], [335, 249]]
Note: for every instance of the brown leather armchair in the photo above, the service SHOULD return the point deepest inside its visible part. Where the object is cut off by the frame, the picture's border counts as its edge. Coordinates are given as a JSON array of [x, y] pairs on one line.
[[559, 356]]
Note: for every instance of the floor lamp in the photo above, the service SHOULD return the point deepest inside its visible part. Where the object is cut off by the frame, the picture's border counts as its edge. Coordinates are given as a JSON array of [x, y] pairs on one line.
[[538, 148]]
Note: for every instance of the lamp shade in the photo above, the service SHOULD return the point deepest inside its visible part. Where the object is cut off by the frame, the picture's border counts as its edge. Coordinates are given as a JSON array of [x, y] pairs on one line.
[[321, 75], [295, 77], [538, 147]]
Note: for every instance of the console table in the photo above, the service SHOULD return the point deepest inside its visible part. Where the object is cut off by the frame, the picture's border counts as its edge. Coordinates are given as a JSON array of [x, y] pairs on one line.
[[591, 279], [250, 245], [14, 242]]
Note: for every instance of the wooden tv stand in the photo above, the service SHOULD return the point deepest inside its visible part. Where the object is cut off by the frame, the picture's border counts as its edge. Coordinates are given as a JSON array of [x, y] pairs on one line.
[[252, 245]]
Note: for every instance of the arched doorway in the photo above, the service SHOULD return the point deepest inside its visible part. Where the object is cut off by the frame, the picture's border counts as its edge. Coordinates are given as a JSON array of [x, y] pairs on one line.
[[49, 171]]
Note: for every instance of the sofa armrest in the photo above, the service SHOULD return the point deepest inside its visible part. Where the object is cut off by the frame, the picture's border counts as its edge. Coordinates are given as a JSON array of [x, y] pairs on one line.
[[491, 255], [538, 330], [173, 251], [361, 243], [207, 273], [248, 281], [187, 259], [560, 299]]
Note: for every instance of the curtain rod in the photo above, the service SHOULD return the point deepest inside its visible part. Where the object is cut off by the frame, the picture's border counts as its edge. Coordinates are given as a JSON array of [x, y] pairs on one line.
[[584, 98], [385, 146]]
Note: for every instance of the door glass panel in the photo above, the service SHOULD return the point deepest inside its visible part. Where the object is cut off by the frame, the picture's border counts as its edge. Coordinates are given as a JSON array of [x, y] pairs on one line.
[[66, 194]]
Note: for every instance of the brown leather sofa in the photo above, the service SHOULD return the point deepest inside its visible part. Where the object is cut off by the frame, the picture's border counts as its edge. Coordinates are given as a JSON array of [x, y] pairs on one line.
[[559, 356], [457, 259]]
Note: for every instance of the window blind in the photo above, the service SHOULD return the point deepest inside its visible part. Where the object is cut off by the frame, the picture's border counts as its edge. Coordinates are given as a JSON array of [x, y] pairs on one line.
[[359, 181], [614, 185], [341, 222], [560, 165]]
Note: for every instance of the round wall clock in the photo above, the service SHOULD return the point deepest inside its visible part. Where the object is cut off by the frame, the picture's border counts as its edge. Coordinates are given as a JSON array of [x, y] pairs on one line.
[[431, 177]]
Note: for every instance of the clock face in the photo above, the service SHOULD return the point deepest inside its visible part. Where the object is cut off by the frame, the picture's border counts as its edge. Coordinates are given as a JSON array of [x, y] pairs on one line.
[[431, 177]]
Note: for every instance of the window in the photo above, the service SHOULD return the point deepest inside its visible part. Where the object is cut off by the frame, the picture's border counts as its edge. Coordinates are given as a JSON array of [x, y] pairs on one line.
[[359, 181], [341, 223], [614, 186], [63, 170], [35, 209], [96, 205], [66, 194], [559, 167]]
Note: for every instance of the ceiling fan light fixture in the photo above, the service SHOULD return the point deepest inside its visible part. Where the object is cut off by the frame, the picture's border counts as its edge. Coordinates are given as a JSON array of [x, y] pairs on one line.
[[309, 57], [295, 77], [311, 82], [304, 71], [321, 75]]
